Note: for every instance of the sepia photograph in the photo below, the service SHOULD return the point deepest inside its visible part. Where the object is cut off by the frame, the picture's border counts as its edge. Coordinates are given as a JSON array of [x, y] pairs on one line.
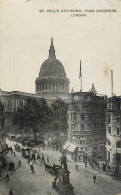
[[60, 97]]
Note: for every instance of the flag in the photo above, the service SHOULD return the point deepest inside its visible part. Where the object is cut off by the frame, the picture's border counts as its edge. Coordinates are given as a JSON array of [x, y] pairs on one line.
[[80, 72]]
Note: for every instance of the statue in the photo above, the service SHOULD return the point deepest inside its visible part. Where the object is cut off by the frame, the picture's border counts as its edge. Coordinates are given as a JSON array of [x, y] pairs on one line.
[[63, 160]]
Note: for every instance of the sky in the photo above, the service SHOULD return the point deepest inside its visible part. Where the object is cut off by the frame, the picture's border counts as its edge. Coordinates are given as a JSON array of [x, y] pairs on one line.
[[94, 39]]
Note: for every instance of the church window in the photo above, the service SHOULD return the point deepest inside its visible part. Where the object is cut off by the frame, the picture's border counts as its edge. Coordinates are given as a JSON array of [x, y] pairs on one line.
[[60, 86], [21, 103], [42, 86]]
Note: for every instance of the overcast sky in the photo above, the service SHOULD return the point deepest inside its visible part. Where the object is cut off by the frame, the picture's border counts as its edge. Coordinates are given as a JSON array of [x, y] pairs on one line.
[[25, 35]]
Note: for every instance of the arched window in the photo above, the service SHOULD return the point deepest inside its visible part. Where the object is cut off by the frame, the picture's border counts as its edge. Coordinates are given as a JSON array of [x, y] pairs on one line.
[[119, 144]]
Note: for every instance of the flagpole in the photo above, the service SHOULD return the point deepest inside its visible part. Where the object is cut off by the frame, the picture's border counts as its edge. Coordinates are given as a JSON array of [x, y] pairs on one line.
[[81, 81], [80, 76]]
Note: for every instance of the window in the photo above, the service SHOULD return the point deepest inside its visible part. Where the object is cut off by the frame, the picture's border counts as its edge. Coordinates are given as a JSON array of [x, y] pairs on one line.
[[82, 116], [117, 130], [76, 107], [81, 142], [117, 119], [109, 118], [74, 116], [109, 130], [71, 116], [45, 86], [75, 126], [82, 127]]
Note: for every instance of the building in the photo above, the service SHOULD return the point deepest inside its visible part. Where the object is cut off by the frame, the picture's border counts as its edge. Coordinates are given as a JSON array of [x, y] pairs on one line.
[[3, 148], [52, 81], [51, 84], [113, 131], [86, 125]]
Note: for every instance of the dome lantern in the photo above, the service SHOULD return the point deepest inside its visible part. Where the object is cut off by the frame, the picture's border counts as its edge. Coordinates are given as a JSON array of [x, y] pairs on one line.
[[52, 50]]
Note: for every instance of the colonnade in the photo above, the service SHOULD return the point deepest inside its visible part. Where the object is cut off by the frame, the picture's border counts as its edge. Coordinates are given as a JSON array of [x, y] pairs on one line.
[[52, 86]]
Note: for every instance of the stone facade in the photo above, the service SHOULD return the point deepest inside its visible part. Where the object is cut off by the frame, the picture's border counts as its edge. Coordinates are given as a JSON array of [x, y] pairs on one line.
[[113, 131], [86, 124]]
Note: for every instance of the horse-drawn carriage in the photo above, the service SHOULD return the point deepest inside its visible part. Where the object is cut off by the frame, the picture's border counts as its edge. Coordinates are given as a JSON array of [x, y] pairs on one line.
[[52, 169], [25, 152]]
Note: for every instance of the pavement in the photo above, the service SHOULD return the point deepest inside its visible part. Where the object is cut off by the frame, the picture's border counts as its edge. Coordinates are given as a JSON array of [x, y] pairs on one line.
[[23, 182]]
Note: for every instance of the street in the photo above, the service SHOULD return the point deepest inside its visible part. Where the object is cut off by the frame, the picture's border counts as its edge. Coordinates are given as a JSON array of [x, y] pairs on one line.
[[23, 182]]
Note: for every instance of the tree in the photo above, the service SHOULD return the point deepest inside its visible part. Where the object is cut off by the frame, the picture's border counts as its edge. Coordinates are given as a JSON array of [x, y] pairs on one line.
[[34, 113], [59, 116]]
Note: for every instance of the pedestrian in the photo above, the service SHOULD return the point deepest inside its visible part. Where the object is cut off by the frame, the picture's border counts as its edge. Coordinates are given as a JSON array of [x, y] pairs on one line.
[[38, 157], [94, 178], [19, 163], [85, 164], [11, 192], [76, 167], [32, 168], [48, 160], [31, 164], [14, 154], [7, 177], [40, 162], [55, 179], [98, 165]]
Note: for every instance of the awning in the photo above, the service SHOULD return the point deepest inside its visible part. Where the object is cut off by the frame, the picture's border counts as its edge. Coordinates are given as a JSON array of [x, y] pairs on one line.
[[66, 145], [71, 148]]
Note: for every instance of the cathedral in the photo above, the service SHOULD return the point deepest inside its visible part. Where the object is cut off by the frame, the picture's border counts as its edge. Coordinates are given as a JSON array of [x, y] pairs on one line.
[[51, 84]]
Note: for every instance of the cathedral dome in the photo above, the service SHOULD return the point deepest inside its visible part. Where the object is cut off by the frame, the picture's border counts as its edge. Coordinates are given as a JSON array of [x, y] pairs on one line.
[[52, 81], [52, 66]]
